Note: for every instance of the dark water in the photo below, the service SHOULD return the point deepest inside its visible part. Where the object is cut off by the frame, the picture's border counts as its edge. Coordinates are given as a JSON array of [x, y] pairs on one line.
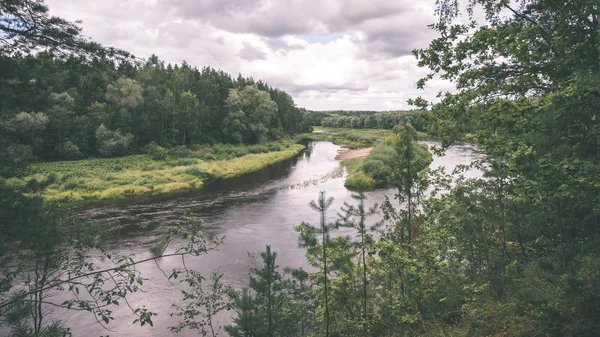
[[251, 212]]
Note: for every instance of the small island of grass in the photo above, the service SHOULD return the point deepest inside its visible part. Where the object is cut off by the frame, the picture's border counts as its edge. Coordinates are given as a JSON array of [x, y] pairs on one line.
[[380, 167]]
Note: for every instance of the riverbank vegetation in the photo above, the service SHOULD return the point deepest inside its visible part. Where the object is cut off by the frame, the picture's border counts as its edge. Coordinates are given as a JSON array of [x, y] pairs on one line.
[[384, 164], [161, 171], [348, 138], [512, 253], [57, 108], [515, 252], [384, 120]]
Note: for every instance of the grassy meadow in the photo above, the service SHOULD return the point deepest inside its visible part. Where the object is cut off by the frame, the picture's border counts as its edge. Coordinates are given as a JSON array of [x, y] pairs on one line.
[[172, 170], [349, 138], [354, 138]]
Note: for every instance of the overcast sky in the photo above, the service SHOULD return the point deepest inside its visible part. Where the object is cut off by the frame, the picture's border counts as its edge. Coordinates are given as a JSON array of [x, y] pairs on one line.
[[328, 54]]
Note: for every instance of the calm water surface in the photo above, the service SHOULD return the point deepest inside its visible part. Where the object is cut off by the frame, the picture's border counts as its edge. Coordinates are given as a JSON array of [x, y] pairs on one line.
[[251, 212]]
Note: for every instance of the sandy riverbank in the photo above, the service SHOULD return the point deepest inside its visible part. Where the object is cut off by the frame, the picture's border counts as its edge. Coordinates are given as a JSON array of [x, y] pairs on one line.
[[351, 154]]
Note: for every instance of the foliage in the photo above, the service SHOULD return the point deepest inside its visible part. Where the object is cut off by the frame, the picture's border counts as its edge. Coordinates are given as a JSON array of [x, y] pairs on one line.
[[309, 240], [26, 28], [112, 143], [203, 303], [357, 180], [51, 251], [366, 119], [281, 305], [386, 164], [64, 108], [138, 175], [349, 138], [521, 233]]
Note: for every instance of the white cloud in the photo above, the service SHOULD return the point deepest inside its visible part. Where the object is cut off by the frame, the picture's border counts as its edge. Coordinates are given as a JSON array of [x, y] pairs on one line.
[[341, 54]]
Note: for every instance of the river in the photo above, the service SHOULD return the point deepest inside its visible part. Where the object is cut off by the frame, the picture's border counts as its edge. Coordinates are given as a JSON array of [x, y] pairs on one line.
[[251, 211]]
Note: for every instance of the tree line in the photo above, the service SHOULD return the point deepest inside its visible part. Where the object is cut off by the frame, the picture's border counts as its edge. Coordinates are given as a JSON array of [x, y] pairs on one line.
[[366, 119], [380, 120], [514, 253], [71, 107]]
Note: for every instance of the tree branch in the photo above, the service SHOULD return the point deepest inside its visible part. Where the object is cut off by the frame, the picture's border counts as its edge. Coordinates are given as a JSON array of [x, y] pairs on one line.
[[97, 272]]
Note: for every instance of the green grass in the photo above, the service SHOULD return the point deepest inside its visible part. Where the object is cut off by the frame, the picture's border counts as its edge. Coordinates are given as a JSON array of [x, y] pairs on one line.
[[357, 180], [182, 169], [354, 138], [349, 138]]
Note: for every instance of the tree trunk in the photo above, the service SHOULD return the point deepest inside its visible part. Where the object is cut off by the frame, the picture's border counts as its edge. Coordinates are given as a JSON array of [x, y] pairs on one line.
[[326, 290], [364, 262]]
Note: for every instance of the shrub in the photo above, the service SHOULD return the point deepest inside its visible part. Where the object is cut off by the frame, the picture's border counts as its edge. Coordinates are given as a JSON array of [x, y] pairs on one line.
[[112, 143], [360, 181], [273, 147], [376, 169], [181, 152], [68, 150], [156, 151], [184, 162], [257, 148]]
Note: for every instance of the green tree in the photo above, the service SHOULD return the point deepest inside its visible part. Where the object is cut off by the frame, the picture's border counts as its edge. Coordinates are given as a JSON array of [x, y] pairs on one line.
[[406, 175], [251, 110], [266, 282], [112, 143], [309, 240], [125, 95], [188, 118], [203, 303], [531, 104], [27, 27], [355, 217], [247, 321]]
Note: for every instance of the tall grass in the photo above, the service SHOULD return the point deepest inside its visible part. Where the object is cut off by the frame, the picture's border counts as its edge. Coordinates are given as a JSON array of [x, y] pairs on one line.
[[181, 169]]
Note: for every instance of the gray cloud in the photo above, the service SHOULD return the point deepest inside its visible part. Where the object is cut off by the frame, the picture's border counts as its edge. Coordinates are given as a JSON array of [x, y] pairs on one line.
[[280, 45], [326, 54], [391, 28], [251, 53]]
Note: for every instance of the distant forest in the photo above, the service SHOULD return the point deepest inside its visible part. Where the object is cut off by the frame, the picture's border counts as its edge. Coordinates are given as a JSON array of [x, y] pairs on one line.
[[366, 119], [68, 108]]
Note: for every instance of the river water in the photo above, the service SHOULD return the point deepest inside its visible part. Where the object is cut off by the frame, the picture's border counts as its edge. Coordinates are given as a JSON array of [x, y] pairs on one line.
[[251, 211]]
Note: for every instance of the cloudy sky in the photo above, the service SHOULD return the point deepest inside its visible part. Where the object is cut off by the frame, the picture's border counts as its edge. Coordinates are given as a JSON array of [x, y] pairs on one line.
[[328, 54]]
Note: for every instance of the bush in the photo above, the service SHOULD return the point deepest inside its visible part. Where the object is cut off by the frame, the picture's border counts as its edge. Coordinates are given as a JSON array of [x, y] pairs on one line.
[[228, 151], [360, 181], [68, 150], [184, 162], [376, 169], [112, 143], [258, 148], [156, 151], [181, 152], [273, 147]]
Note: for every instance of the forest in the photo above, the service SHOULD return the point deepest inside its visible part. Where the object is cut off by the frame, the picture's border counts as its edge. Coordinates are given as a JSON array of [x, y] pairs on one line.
[[366, 119], [514, 252], [68, 107]]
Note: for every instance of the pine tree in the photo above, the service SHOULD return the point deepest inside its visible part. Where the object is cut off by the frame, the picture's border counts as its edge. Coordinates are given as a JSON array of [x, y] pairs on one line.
[[356, 217], [308, 239]]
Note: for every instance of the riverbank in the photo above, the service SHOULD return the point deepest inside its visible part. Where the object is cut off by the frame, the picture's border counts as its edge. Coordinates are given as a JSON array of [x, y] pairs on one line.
[[348, 138], [353, 154], [99, 179], [353, 138]]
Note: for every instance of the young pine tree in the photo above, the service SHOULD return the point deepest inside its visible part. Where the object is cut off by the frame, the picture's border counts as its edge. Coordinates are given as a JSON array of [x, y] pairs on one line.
[[356, 217], [309, 240]]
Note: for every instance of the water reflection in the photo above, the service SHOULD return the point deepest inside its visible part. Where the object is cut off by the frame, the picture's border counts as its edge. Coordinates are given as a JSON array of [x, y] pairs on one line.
[[251, 212]]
